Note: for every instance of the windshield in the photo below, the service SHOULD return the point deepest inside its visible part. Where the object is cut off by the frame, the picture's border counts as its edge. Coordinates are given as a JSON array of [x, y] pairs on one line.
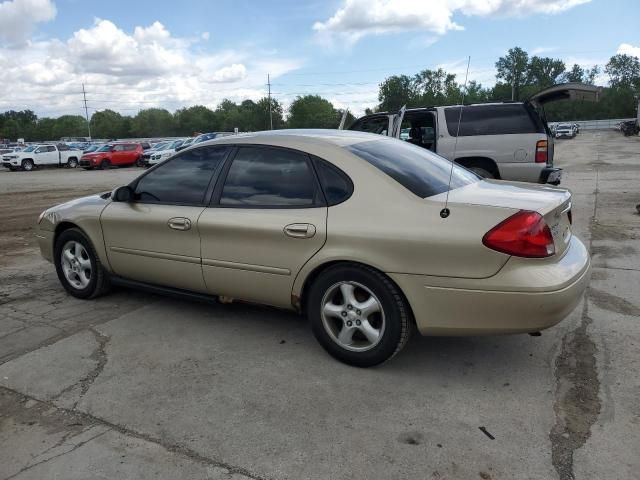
[[418, 170], [175, 144], [105, 148], [160, 146], [30, 149]]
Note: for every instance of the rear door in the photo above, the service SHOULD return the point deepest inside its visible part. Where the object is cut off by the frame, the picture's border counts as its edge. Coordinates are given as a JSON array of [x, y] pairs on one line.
[[267, 219], [380, 123]]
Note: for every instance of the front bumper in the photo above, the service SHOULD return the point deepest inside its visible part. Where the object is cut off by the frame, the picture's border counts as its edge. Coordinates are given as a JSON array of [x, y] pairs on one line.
[[527, 295], [45, 242]]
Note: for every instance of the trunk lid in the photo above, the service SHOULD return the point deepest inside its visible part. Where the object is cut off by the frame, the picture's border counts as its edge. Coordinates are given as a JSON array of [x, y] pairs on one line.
[[553, 203]]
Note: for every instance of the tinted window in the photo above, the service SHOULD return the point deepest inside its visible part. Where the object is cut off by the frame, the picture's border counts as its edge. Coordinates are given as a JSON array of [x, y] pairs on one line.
[[51, 148], [270, 177], [377, 124], [490, 120], [183, 179], [418, 170], [336, 185]]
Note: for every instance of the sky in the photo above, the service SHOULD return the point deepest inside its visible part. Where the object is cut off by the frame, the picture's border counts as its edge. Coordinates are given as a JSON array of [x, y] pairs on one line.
[[138, 54]]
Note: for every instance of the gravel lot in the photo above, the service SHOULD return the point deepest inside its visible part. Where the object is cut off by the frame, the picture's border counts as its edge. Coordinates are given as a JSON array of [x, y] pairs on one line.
[[134, 385]]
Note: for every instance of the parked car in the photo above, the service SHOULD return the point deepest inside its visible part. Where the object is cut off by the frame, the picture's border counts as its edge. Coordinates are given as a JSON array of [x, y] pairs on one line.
[[629, 127], [203, 138], [41, 155], [508, 141], [160, 154], [146, 156], [113, 155], [565, 130], [346, 227], [91, 148], [576, 127]]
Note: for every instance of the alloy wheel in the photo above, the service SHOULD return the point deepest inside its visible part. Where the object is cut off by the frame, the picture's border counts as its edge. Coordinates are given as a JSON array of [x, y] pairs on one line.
[[353, 316], [76, 264]]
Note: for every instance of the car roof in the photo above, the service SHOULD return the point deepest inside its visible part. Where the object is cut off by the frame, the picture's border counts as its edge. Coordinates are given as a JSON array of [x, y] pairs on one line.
[[339, 138]]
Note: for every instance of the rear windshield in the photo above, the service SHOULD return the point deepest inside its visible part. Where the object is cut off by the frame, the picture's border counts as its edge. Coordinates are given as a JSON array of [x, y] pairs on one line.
[[418, 170], [492, 120]]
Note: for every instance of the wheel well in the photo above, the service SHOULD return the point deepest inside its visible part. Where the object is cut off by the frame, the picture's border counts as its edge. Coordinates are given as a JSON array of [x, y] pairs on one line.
[[61, 227], [482, 162], [315, 273], [25, 159]]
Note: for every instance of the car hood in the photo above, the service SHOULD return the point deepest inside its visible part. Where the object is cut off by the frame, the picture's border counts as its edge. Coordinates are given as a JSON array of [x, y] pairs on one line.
[[75, 210], [94, 154], [516, 195]]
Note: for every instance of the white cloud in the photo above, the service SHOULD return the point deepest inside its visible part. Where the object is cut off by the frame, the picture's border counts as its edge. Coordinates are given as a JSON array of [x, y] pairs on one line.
[[205, 35], [19, 17], [627, 49], [129, 71], [357, 18]]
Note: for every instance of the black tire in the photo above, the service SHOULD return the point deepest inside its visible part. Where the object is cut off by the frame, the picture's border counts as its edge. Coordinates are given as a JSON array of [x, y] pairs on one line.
[[72, 163], [397, 321], [139, 162], [482, 172], [105, 165], [27, 165], [99, 279]]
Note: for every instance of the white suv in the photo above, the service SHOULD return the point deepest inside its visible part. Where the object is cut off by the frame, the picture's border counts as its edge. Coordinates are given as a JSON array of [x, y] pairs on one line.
[[508, 140]]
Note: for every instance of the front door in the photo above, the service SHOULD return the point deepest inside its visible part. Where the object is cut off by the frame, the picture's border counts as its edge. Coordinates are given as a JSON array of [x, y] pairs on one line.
[[46, 155], [155, 238], [266, 221]]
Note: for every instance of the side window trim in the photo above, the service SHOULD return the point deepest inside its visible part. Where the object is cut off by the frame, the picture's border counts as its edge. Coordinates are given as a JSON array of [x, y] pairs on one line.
[[215, 176], [224, 172]]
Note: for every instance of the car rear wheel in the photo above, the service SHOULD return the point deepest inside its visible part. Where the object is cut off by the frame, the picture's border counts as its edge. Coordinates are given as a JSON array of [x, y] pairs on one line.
[[358, 315], [27, 165], [139, 162], [72, 163], [78, 267], [105, 165]]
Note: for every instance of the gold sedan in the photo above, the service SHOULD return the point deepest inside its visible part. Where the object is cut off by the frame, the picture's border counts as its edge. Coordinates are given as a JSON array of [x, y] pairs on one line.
[[349, 228]]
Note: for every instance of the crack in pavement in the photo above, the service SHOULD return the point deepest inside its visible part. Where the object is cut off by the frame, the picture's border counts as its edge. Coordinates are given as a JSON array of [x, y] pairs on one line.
[[99, 354], [87, 418], [48, 459], [577, 401]]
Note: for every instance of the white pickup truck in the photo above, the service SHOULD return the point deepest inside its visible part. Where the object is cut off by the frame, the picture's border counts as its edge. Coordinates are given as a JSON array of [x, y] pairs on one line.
[[41, 155]]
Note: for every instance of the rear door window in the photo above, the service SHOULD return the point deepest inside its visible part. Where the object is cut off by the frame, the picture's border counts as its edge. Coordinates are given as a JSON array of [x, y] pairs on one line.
[[270, 177], [503, 119], [336, 185], [418, 170]]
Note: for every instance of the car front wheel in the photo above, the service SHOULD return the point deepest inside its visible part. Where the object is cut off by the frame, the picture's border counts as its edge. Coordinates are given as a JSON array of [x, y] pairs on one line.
[[78, 267], [27, 165], [358, 315]]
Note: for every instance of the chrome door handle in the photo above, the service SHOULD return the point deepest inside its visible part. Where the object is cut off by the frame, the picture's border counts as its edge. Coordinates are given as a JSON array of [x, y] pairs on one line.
[[300, 230], [179, 223]]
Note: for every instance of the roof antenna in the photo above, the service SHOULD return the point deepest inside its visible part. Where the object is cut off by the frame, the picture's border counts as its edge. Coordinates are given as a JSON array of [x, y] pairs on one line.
[[445, 212]]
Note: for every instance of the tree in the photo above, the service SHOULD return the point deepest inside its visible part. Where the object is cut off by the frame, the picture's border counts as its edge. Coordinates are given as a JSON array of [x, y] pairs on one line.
[[544, 72], [107, 124], [153, 122], [576, 74], [312, 111], [396, 91], [196, 119], [512, 68], [624, 71], [262, 111], [437, 87], [69, 126]]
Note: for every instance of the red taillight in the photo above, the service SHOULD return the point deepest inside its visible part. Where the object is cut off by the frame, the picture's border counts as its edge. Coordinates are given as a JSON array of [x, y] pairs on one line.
[[541, 151], [524, 234]]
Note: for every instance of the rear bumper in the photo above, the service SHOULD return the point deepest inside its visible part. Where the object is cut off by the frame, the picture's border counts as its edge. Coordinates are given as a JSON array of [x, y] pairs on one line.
[[527, 295], [551, 175]]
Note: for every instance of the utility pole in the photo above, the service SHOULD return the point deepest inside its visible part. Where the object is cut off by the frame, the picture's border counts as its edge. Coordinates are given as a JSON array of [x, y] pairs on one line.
[[270, 115], [513, 83], [86, 110]]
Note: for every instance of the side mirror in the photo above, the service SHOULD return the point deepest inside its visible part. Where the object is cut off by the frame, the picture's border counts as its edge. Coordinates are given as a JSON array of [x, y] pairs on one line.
[[123, 194]]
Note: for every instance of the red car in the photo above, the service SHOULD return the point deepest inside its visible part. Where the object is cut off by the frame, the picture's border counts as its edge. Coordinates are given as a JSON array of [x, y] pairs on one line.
[[113, 155]]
